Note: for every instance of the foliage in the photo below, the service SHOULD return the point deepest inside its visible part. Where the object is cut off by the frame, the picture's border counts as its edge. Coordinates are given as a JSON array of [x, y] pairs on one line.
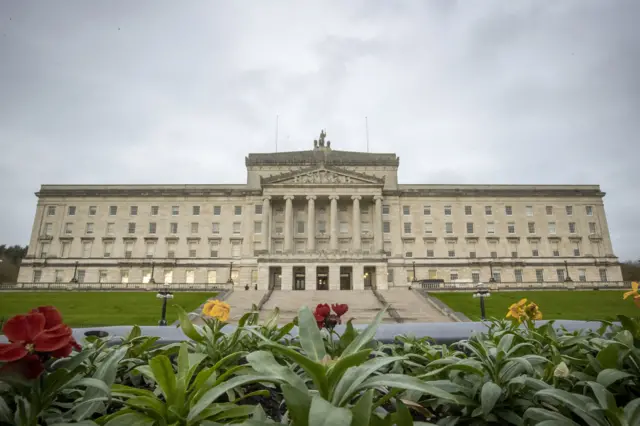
[[258, 373]]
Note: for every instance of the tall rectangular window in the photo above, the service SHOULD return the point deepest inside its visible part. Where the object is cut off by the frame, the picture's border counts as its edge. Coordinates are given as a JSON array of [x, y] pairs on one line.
[[175, 210], [569, 210], [448, 227], [236, 249], [552, 227], [257, 227], [93, 210], [467, 210], [217, 210], [173, 228], [113, 210], [447, 210], [237, 210], [300, 227], [511, 227], [406, 210], [539, 275], [155, 210], [407, 227], [532, 227], [385, 209], [560, 274], [196, 210], [428, 228], [215, 228], [491, 228], [603, 275], [51, 210], [549, 210], [588, 210], [469, 227], [487, 210], [195, 227], [518, 275], [152, 227], [592, 227], [236, 227], [71, 211], [508, 210], [386, 227], [133, 211], [426, 210], [572, 227], [89, 229], [131, 229], [529, 210]]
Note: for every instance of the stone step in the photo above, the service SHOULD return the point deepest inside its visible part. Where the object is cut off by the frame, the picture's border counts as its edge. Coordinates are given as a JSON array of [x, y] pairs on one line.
[[412, 307]]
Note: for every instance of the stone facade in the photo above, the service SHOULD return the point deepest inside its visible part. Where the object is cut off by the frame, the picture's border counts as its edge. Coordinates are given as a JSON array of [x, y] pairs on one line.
[[319, 219]]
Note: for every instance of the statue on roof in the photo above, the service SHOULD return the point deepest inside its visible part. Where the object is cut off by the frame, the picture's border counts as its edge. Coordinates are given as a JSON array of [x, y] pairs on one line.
[[319, 143]]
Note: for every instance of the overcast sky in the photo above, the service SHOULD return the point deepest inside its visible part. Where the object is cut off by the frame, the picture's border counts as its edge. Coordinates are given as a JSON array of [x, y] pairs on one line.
[[510, 92]]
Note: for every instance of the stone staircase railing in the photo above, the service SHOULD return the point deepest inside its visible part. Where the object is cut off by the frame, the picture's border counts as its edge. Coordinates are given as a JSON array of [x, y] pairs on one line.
[[393, 313]]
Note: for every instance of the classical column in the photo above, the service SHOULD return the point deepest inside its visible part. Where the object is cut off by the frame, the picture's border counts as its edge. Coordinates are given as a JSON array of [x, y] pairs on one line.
[[311, 223], [356, 223], [333, 241], [377, 224], [288, 223], [266, 223]]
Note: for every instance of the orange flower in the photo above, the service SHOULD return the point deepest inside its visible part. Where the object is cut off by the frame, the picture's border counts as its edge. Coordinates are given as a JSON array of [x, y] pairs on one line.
[[634, 292]]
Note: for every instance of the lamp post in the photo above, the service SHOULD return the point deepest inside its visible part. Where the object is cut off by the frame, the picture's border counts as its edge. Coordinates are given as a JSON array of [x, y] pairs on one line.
[[491, 279], [481, 292], [164, 295], [414, 275], [567, 278], [74, 280], [153, 268], [230, 280]]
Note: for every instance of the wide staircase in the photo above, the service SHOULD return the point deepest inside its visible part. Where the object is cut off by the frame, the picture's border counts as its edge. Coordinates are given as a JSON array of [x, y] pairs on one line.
[[412, 307]]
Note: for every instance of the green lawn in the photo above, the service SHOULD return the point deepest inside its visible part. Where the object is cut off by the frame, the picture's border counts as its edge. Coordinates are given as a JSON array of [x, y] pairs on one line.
[[569, 305], [88, 309]]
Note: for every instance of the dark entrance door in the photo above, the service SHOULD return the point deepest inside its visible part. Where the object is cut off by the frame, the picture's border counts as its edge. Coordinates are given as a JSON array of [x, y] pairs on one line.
[[275, 277], [322, 278], [298, 278], [345, 277], [369, 276]]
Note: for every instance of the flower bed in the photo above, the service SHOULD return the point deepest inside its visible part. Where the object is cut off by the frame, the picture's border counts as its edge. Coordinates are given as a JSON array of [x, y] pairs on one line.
[[517, 372]]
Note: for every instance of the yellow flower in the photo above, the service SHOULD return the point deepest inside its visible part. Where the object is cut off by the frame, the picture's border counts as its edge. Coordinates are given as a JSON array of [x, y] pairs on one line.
[[634, 291], [217, 309], [533, 312], [516, 311]]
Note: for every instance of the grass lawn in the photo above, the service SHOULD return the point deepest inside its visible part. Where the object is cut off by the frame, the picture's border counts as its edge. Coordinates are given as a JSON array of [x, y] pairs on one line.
[[88, 309], [568, 305]]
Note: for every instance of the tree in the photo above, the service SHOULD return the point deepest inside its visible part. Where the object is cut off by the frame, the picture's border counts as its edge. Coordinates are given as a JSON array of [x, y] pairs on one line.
[[11, 257]]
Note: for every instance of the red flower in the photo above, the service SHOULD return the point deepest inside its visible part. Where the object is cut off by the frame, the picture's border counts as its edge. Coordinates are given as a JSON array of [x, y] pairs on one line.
[[27, 334], [30, 366], [51, 315], [340, 309], [320, 314]]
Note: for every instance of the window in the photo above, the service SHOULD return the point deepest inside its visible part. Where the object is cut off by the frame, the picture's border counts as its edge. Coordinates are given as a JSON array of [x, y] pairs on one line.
[[237, 210], [51, 211], [214, 246], [86, 249], [168, 276], [257, 209], [236, 227], [71, 211], [190, 276], [539, 275], [152, 227], [236, 249], [572, 227], [151, 248], [410, 276], [407, 227], [518, 274], [582, 275], [175, 210], [124, 276], [529, 210], [113, 210], [212, 276], [452, 253], [322, 227], [66, 248], [128, 250], [196, 210], [93, 210], [448, 227], [430, 251], [344, 227], [569, 210], [494, 254], [453, 276], [81, 275], [89, 229], [576, 249], [472, 254], [560, 274], [588, 210], [155, 210], [428, 228], [68, 228], [59, 276], [364, 210], [467, 210], [107, 249], [511, 227], [386, 227], [195, 227], [385, 209], [497, 276], [193, 249], [603, 275], [534, 249], [44, 250], [389, 275], [215, 228], [406, 210], [552, 227], [37, 275], [555, 249], [487, 210], [426, 210], [300, 227], [133, 210], [173, 228], [549, 210], [469, 227], [300, 247], [491, 228], [475, 276], [257, 227], [447, 210], [131, 229], [508, 210], [217, 210], [592, 227]]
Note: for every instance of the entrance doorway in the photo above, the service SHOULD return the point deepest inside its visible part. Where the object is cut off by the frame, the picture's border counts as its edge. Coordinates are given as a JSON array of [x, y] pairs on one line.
[[322, 278], [369, 277], [345, 277], [275, 277], [298, 277]]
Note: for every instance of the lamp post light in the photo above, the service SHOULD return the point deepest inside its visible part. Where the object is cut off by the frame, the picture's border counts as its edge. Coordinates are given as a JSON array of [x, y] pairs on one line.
[[491, 279], [74, 280], [481, 292], [567, 278], [153, 268], [164, 295]]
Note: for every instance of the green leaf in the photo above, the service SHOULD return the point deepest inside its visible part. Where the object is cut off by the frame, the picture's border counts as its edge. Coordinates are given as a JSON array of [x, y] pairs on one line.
[[489, 395], [632, 412], [322, 413], [505, 343], [81, 423], [264, 362], [164, 376], [134, 333], [401, 381], [316, 372], [539, 415], [354, 376], [336, 370], [573, 403], [609, 376], [298, 402], [402, 416], [608, 357], [510, 416], [604, 397], [310, 336], [187, 326], [366, 336], [6, 415], [130, 419], [362, 409], [145, 403]]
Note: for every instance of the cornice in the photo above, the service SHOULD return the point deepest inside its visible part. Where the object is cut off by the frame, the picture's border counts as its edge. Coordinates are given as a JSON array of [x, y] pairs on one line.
[[141, 192], [500, 191]]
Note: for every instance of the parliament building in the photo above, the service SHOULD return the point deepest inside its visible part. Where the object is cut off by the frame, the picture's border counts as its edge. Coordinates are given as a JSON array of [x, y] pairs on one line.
[[320, 219]]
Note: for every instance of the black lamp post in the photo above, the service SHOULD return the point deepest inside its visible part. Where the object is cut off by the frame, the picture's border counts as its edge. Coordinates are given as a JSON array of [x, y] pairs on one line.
[[481, 292], [74, 280], [414, 275], [164, 295], [153, 268], [567, 278], [230, 280], [491, 279]]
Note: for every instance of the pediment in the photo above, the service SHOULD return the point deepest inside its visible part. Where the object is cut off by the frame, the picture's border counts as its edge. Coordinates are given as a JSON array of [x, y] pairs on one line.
[[323, 176]]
